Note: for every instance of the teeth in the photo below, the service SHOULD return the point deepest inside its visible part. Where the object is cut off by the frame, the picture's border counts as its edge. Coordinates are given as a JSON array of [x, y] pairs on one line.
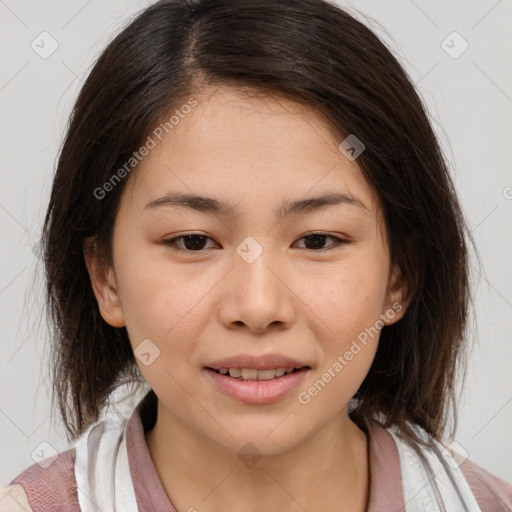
[[265, 374], [249, 374], [254, 374], [235, 372]]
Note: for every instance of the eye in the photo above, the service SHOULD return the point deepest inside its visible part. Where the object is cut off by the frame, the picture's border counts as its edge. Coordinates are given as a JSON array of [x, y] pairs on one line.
[[192, 243], [196, 242], [314, 241]]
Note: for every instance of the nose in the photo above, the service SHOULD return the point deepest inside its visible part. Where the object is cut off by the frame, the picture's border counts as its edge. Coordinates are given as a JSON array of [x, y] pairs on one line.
[[258, 294]]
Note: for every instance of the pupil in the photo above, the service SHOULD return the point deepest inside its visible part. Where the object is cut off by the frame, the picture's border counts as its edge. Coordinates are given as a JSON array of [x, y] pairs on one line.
[[317, 241], [193, 246]]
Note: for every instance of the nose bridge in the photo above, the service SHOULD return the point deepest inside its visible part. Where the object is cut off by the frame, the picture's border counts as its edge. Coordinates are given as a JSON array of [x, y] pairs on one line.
[[254, 257], [257, 297]]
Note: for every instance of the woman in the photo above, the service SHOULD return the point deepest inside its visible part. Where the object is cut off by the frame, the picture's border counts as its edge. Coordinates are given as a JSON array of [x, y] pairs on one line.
[[252, 218]]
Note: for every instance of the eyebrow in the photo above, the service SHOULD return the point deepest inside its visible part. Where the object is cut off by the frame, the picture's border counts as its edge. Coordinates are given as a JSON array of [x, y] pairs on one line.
[[214, 206]]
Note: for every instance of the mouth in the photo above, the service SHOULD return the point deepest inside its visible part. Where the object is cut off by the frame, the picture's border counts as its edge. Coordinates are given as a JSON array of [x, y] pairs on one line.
[[254, 374], [257, 386]]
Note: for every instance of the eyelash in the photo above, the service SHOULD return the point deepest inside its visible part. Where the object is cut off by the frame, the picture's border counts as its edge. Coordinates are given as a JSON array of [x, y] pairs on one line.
[[172, 242]]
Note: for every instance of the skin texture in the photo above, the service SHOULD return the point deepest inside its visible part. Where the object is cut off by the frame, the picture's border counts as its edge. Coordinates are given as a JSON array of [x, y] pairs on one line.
[[306, 303]]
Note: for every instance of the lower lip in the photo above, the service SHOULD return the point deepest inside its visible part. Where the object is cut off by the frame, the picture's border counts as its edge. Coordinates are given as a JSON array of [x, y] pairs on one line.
[[257, 391]]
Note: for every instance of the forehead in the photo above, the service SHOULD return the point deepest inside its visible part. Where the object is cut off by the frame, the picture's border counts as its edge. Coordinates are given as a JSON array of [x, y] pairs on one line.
[[241, 145]]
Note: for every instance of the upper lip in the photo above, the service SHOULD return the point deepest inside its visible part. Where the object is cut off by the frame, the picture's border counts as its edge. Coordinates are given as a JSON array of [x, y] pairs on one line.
[[259, 362]]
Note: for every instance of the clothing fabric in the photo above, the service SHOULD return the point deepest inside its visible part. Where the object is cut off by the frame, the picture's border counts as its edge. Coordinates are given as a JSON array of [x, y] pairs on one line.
[[431, 478], [110, 468]]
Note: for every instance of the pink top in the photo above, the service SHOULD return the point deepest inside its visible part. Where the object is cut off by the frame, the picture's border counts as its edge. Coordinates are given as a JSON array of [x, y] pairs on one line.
[[54, 489]]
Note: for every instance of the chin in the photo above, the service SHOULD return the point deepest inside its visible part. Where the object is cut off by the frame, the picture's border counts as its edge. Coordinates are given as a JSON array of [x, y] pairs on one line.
[[266, 440]]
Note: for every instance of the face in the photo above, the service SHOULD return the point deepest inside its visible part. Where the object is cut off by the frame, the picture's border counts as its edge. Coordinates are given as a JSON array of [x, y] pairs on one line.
[[196, 284]]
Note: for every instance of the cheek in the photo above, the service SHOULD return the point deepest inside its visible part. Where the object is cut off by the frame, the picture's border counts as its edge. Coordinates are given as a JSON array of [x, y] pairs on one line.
[[349, 296], [350, 306], [348, 300], [160, 300]]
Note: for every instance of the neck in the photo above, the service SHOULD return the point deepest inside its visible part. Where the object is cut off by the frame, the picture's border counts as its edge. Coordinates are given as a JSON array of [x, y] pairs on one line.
[[328, 471]]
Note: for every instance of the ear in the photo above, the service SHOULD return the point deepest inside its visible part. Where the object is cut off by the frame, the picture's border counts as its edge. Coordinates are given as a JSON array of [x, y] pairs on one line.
[[398, 298], [103, 285]]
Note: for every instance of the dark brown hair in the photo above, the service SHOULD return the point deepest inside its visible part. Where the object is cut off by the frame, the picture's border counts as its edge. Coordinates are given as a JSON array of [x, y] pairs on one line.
[[310, 51]]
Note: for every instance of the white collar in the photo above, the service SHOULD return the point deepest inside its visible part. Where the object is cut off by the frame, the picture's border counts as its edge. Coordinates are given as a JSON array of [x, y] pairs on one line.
[[431, 479]]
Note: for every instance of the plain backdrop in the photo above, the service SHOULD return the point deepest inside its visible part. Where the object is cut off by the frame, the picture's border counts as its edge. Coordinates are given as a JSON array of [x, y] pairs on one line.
[[469, 98]]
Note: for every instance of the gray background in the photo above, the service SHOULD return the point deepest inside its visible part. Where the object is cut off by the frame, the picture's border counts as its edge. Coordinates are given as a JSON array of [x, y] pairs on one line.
[[470, 103]]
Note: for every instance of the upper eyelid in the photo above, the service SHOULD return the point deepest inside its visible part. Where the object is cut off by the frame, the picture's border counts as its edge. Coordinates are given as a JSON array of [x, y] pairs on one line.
[[207, 236]]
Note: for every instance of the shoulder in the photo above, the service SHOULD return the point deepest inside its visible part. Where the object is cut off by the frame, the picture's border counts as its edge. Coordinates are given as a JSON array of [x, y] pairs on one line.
[[492, 493], [48, 485]]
